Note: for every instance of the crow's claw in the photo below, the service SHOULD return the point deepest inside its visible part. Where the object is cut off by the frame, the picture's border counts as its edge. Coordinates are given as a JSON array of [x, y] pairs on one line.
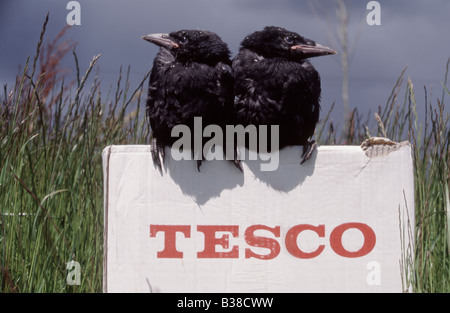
[[238, 164], [308, 150], [156, 151]]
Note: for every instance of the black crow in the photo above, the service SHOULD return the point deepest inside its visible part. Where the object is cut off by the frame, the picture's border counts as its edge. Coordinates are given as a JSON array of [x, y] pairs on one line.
[[275, 84], [191, 77]]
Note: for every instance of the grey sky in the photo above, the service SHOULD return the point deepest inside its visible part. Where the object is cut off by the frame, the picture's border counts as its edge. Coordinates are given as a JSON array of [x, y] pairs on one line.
[[412, 33]]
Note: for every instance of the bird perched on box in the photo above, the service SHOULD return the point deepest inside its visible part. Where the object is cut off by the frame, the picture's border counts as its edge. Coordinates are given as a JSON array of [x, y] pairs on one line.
[[275, 84], [191, 77]]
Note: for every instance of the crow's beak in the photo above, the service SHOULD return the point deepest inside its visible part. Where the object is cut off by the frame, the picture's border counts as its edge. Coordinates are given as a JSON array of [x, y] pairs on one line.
[[162, 40], [313, 51]]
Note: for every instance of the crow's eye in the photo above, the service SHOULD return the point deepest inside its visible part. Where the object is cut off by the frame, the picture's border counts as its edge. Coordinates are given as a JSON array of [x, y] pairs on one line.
[[183, 40], [288, 40]]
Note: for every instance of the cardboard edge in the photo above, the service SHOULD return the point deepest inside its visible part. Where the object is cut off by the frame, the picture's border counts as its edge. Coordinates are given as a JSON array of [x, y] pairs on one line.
[[381, 150], [106, 154], [407, 219]]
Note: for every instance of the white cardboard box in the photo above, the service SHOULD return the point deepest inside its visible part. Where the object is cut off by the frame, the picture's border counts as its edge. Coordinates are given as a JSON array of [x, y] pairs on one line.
[[341, 222]]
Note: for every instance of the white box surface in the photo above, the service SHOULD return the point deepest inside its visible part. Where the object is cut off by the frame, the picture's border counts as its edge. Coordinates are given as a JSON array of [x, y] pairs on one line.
[[337, 223]]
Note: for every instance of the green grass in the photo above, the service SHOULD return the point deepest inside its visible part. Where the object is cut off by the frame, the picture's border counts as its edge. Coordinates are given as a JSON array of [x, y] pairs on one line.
[[51, 180]]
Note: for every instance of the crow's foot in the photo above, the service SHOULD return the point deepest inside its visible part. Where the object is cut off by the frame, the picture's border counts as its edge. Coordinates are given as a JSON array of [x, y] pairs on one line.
[[308, 150], [157, 152]]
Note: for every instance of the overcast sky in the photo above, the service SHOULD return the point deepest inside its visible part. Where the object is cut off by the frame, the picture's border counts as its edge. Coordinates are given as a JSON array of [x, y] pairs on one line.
[[412, 33]]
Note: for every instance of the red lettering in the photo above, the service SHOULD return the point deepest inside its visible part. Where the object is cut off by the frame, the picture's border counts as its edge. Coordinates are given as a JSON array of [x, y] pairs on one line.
[[291, 240], [336, 240], [170, 239], [262, 242], [211, 241], [270, 242]]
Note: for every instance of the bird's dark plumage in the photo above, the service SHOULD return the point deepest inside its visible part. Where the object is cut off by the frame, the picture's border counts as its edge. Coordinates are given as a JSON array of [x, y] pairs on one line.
[[275, 84], [191, 77]]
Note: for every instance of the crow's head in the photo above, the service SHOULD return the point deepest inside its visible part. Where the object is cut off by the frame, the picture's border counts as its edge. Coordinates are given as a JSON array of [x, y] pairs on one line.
[[193, 46], [278, 42]]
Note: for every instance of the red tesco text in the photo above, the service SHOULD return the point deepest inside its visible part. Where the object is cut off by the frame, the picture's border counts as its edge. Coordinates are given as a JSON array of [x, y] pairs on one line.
[[219, 235]]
